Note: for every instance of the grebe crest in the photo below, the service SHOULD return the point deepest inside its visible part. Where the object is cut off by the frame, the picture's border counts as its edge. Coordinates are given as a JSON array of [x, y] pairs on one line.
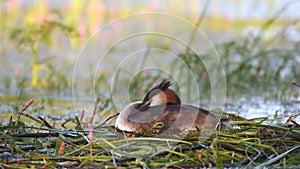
[[159, 95]]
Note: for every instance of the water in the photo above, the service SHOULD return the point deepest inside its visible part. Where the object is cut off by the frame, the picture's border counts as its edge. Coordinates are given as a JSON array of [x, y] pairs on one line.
[[236, 21], [59, 110], [256, 107]]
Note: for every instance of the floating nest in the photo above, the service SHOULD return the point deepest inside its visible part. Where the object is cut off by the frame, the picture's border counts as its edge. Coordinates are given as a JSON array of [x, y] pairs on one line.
[[251, 143]]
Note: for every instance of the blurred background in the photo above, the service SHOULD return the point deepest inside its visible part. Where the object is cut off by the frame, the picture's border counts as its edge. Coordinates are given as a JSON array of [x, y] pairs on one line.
[[41, 41]]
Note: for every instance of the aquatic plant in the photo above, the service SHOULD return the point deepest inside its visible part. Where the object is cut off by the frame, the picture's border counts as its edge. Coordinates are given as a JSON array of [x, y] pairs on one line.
[[32, 36], [257, 142]]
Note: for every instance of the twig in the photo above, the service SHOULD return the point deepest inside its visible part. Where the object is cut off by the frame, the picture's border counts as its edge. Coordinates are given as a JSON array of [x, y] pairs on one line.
[[45, 122], [288, 134], [31, 117], [41, 159], [65, 122], [109, 118], [35, 135], [189, 148], [277, 157], [78, 123], [124, 159], [234, 116], [296, 84], [27, 148]]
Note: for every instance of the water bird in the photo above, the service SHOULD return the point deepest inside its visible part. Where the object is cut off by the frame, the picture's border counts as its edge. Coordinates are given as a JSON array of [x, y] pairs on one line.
[[162, 107]]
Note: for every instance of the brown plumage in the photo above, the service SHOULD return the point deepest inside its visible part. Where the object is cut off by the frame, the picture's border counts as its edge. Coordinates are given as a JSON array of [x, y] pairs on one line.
[[162, 106]]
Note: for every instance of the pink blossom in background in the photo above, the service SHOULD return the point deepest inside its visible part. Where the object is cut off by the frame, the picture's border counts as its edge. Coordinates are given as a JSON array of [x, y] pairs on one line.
[[16, 71], [147, 73], [117, 27], [228, 20], [204, 75], [61, 148], [82, 31], [114, 12], [43, 13], [95, 15], [28, 104], [14, 4], [153, 5]]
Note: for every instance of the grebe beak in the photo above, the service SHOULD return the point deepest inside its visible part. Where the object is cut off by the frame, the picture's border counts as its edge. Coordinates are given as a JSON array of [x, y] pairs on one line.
[[144, 106]]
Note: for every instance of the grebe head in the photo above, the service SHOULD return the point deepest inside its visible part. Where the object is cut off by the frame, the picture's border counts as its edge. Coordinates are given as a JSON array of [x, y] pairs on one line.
[[159, 95]]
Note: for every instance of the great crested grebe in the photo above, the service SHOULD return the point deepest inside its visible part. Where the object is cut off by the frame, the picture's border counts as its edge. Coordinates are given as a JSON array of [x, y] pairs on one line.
[[161, 105], [159, 95]]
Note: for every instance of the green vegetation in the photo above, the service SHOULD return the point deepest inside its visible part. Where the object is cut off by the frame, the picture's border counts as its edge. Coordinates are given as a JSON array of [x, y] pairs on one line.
[[32, 36], [251, 142], [254, 64], [265, 63]]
